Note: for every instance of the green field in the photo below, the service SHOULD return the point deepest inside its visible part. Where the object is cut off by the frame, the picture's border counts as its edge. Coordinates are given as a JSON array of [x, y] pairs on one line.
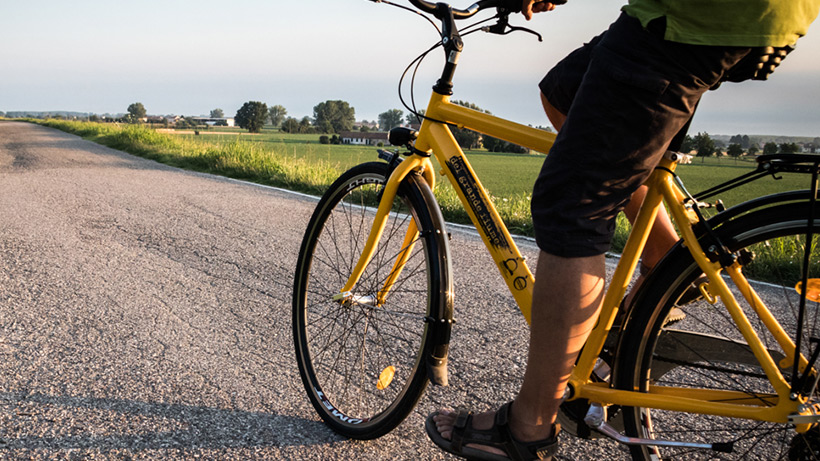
[[293, 146], [508, 177], [504, 175], [300, 162]]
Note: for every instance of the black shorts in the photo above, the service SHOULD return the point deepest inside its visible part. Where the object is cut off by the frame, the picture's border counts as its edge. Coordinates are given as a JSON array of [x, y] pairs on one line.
[[626, 94]]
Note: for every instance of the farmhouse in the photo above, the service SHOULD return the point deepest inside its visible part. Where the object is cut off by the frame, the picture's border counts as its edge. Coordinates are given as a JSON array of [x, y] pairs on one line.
[[364, 139], [215, 121]]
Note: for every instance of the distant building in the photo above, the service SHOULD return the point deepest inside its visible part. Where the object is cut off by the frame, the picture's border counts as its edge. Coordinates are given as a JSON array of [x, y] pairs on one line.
[[370, 125], [369, 138], [215, 121]]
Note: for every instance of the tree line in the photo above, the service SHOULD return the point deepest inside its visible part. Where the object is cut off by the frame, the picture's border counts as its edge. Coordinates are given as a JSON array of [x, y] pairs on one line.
[[328, 117], [337, 116], [705, 146]]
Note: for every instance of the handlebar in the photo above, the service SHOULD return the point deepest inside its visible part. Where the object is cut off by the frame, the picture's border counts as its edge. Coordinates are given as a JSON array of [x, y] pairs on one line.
[[511, 6]]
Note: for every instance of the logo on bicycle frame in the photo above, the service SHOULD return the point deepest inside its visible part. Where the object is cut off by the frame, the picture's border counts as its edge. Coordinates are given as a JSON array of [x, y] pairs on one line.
[[469, 185]]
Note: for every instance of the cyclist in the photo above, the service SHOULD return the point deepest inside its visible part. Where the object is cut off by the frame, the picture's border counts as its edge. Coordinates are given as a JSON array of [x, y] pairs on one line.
[[618, 101]]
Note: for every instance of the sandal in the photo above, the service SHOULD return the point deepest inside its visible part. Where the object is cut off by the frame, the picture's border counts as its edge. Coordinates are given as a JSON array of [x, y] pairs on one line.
[[499, 436]]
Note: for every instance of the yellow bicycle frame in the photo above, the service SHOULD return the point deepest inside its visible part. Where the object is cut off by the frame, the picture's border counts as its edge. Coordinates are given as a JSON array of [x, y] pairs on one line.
[[436, 138]]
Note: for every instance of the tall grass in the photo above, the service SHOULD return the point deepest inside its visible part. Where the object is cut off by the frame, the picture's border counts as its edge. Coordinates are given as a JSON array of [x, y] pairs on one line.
[[237, 159]]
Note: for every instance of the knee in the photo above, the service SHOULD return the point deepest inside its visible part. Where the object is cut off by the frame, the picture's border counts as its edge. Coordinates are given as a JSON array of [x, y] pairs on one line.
[[555, 116]]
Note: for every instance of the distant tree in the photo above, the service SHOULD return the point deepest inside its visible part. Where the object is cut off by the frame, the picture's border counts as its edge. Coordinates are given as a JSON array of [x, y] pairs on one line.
[[94, 118], [252, 115], [499, 145], [324, 139], [811, 147], [390, 119], [688, 144], [334, 116], [2, 114], [742, 140], [364, 128], [770, 148], [413, 119], [335, 139], [305, 126], [789, 148], [465, 138], [136, 112], [186, 122], [277, 115], [217, 113], [290, 125], [735, 150], [754, 149], [704, 145]]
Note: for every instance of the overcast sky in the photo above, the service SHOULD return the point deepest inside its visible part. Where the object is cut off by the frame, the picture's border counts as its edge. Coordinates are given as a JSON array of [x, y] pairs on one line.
[[188, 57]]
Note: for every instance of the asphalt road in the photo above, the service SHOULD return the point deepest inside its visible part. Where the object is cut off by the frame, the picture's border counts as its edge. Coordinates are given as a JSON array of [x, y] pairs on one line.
[[145, 313]]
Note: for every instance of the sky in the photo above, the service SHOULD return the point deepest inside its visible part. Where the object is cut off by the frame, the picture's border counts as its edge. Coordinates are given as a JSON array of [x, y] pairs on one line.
[[187, 57]]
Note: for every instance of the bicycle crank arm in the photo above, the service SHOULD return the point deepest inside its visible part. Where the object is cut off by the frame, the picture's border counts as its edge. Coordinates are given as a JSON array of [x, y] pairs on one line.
[[596, 419]]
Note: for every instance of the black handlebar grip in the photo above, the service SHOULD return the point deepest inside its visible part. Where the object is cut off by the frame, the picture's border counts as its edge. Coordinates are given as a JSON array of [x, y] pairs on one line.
[[513, 6]]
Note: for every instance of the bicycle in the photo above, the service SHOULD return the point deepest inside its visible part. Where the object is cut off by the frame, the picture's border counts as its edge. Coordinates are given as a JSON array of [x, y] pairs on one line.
[[733, 376]]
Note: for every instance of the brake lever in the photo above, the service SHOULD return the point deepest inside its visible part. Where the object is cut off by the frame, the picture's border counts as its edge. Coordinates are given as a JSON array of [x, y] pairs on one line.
[[503, 27]]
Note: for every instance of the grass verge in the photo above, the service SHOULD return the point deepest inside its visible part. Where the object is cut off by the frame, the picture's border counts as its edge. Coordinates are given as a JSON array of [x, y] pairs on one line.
[[238, 159]]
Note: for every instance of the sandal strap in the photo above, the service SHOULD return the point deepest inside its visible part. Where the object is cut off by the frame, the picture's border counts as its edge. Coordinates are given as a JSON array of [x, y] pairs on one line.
[[523, 451], [464, 433], [500, 436]]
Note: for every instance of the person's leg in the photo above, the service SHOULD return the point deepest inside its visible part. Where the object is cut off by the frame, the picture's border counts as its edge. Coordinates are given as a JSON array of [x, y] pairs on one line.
[[663, 235], [610, 142], [560, 326]]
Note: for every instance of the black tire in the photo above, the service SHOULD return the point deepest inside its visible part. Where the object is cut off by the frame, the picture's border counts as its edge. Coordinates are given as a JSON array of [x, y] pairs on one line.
[[343, 348], [706, 350]]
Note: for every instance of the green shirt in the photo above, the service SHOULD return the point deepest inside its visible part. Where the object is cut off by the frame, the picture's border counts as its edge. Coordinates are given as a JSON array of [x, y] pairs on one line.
[[729, 22]]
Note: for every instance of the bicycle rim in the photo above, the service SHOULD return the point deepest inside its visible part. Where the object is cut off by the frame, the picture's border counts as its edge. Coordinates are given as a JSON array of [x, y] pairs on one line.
[[706, 350], [361, 361]]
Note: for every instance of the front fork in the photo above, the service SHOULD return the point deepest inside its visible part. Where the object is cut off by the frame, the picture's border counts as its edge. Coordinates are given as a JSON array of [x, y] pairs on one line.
[[411, 165]]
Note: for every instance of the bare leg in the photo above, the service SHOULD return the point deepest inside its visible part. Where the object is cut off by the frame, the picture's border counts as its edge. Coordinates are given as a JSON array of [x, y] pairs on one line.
[[662, 236], [566, 304]]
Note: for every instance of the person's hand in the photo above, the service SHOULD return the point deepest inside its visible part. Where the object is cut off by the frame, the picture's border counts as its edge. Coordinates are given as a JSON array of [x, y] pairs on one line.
[[529, 7]]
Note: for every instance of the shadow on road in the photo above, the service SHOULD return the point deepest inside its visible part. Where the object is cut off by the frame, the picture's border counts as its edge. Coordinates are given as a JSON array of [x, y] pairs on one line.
[[59, 422]]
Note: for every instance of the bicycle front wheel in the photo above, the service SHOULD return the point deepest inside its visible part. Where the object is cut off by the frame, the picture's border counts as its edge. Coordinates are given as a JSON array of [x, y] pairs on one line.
[[705, 349], [361, 359]]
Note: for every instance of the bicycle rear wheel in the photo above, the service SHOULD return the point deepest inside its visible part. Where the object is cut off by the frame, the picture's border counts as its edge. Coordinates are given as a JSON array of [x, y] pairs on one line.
[[362, 360], [706, 350]]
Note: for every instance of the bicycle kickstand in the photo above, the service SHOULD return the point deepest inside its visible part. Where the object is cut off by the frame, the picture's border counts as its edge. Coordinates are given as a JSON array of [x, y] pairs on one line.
[[596, 420]]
